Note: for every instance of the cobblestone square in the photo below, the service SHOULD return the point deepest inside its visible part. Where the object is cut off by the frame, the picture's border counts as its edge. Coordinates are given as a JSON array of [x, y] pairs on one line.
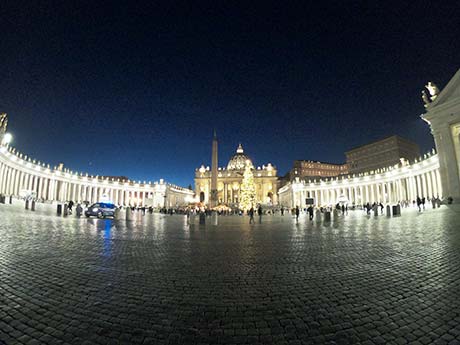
[[358, 280]]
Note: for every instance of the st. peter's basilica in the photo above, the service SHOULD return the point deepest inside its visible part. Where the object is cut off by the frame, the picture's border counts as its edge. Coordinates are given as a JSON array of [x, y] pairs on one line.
[[229, 179]]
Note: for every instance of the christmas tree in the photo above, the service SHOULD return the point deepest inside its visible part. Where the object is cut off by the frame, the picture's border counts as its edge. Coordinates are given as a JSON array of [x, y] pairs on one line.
[[248, 189]]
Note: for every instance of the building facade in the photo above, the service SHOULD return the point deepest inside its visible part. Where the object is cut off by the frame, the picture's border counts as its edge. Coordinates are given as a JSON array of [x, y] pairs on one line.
[[386, 179], [402, 182], [20, 176], [380, 154], [443, 116], [229, 178], [436, 174], [305, 169]]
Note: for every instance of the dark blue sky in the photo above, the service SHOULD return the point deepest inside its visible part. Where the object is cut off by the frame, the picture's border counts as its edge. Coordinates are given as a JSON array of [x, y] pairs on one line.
[[132, 88]]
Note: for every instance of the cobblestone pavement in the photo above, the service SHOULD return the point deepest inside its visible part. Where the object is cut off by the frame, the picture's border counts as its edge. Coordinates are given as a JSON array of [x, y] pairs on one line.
[[357, 280]]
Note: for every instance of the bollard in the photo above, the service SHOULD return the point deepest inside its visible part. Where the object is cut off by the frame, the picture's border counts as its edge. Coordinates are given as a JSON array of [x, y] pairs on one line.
[[327, 216], [116, 213], [388, 211], [318, 216], [376, 211], [129, 214], [33, 206], [27, 204], [11, 199], [335, 213], [214, 218], [66, 209], [59, 209], [2, 199]]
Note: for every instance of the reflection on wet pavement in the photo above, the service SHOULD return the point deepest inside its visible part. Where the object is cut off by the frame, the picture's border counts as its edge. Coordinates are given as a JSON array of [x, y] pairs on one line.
[[159, 280]]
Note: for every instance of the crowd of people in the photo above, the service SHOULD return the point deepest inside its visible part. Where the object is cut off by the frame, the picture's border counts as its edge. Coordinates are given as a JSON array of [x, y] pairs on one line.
[[260, 210]]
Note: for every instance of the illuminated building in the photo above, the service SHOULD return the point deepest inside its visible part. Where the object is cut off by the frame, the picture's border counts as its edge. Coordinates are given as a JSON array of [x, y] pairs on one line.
[[229, 178], [305, 169], [436, 174], [20, 175], [401, 182]]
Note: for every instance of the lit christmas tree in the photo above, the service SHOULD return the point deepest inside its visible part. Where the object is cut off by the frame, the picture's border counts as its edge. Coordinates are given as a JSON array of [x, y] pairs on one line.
[[248, 189]]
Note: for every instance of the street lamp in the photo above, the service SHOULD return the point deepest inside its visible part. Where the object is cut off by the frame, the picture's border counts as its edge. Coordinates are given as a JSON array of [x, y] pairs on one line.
[[7, 138]]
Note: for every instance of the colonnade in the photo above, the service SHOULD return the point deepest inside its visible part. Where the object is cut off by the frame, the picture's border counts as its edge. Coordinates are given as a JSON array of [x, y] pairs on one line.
[[19, 176], [403, 183]]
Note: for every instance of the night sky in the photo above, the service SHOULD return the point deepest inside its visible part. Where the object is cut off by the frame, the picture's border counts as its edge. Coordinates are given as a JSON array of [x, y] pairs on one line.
[[136, 89]]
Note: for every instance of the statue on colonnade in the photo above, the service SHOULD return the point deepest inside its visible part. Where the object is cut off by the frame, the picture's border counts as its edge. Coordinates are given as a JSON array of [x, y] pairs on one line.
[[3, 122]]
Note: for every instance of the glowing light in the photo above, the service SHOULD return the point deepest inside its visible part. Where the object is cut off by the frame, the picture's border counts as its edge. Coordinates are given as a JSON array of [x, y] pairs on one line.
[[7, 138]]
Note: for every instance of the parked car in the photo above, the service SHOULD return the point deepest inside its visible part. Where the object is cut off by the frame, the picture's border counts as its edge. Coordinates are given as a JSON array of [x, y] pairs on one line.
[[101, 210]]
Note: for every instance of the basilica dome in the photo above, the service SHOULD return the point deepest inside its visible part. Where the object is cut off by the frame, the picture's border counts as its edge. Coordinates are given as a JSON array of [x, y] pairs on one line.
[[238, 160]]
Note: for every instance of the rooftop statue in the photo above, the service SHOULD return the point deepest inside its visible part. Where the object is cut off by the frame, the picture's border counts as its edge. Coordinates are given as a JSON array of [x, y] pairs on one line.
[[433, 90], [3, 122], [425, 98]]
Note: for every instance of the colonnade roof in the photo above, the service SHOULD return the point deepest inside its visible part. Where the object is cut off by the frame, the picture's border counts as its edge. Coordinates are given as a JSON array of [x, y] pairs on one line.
[[39, 167], [427, 161]]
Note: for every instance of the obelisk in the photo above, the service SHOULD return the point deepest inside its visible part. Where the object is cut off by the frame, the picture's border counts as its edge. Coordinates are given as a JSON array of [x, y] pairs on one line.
[[214, 163]]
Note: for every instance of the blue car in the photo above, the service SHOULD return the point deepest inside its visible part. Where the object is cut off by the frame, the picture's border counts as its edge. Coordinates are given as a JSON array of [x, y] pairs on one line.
[[100, 210]]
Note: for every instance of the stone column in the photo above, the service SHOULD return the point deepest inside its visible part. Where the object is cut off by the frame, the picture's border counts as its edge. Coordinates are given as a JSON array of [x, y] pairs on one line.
[[5, 179], [435, 184], [428, 185], [40, 187], [424, 186], [79, 188], [46, 189], [15, 177], [9, 181], [449, 170], [12, 179], [51, 190], [2, 166], [439, 182], [413, 187]]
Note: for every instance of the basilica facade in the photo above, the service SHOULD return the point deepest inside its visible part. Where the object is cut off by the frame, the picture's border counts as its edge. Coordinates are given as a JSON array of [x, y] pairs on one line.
[[224, 186]]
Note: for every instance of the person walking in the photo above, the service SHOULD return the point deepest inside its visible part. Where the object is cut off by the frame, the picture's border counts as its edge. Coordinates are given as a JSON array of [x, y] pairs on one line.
[[310, 212], [251, 215], [79, 210], [259, 212], [419, 203], [70, 206], [368, 208], [297, 212]]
